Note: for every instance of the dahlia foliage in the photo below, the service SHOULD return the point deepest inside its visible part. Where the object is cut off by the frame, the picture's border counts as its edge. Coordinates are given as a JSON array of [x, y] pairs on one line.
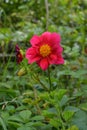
[[45, 50]]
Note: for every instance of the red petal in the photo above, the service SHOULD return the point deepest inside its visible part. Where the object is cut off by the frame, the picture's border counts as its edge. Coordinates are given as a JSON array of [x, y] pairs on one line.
[[60, 60], [44, 64], [55, 43], [52, 59], [34, 59], [46, 37], [35, 40], [55, 38], [32, 55], [31, 51]]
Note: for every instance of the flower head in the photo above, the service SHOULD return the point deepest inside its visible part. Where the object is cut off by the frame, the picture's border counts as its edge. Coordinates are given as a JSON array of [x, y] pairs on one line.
[[19, 56], [45, 50]]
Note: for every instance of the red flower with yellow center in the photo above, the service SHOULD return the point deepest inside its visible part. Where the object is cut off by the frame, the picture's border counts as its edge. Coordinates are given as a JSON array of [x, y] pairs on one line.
[[45, 50]]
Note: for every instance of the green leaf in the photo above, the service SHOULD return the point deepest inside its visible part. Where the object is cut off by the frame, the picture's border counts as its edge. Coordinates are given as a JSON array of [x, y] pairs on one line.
[[24, 127], [74, 127], [54, 123], [20, 108], [71, 108], [80, 120], [64, 100], [14, 124], [15, 118], [9, 91], [38, 123], [37, 118], [3, 124], [5, 116], [46, 127], [10, 108], [49, 113], [25, 115], [67, 115], [83, 106], [61, 93]]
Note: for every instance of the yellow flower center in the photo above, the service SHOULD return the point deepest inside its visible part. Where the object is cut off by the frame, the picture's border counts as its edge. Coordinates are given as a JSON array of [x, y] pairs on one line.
[[45, 50]]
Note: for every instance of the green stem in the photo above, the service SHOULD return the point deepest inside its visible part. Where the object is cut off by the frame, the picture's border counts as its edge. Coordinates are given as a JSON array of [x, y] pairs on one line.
[[35, 77], [47, 14], [49, 79]]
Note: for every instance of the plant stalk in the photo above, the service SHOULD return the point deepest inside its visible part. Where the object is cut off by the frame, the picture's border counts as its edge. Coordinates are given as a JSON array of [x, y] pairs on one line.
[[47, 14], [49, 77]]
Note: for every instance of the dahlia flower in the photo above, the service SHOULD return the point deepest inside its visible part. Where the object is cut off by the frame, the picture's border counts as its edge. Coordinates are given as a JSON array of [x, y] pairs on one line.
[[19, 56], [45, 50]]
